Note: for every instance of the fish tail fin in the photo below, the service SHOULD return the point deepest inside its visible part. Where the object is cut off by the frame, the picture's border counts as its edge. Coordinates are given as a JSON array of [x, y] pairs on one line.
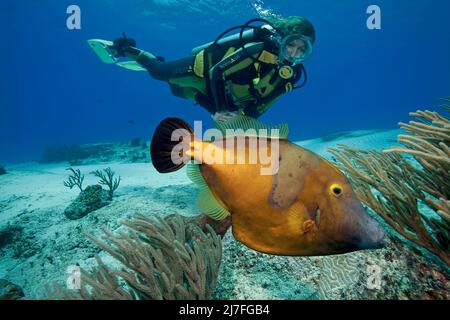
[[170, 145]]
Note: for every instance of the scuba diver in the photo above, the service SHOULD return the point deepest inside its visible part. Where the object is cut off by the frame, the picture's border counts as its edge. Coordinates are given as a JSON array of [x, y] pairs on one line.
[[243, 73]]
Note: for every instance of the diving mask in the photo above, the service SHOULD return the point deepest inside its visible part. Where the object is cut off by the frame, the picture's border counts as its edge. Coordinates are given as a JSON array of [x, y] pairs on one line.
[[295, 48]]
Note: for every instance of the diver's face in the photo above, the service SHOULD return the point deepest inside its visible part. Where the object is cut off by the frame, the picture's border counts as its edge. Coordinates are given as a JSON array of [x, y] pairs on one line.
[[294, 49]]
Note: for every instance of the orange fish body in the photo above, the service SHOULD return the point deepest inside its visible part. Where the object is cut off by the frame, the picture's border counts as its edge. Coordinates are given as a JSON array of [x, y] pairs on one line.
[[306, 207]]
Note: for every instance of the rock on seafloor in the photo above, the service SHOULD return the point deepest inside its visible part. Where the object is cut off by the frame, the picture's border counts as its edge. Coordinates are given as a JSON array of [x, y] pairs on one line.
[[92, 198]]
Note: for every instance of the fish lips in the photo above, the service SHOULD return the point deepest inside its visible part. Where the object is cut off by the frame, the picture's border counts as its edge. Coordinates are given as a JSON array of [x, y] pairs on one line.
[[375, 236], [360, 231]]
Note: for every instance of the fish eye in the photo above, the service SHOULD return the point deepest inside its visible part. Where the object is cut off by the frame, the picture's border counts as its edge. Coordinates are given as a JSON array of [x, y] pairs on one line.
[[336, 189]]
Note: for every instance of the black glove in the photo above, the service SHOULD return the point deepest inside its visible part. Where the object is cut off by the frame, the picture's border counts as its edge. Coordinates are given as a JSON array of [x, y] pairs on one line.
[[123, 45]]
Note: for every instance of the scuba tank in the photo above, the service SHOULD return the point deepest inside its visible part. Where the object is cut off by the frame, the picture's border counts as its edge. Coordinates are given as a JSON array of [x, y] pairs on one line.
[[254, 34], [236, 39]]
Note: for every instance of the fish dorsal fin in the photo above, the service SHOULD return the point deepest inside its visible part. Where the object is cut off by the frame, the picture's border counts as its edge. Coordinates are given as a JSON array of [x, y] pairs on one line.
[[206, 201], [245, 123]]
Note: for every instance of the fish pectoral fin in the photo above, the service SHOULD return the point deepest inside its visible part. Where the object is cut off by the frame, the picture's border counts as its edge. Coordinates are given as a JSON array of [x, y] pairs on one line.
[[194, 174], [299, 210], [308, 225], [210, 206], [206, 200]]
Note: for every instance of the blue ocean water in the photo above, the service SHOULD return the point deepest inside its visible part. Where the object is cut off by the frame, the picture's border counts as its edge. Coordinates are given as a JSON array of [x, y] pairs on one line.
[[55, 91]]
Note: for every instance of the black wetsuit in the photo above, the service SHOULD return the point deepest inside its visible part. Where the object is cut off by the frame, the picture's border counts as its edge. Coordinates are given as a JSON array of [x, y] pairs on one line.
[[225, 78]]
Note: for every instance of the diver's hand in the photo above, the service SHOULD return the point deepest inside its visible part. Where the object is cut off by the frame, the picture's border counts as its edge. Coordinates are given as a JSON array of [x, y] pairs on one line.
[[225, 115], [121, 45]]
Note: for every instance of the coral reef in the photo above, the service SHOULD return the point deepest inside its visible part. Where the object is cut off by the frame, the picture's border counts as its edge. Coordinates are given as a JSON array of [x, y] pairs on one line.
[[391, 273], [74, 153], [19, 243], [10, 291], [9, 235], [6, 236], [138, 142], [134, 151], [2, 170], [93, 197], [248, 274], [37, 242], [163, 259], [338, 273], [411, 192]]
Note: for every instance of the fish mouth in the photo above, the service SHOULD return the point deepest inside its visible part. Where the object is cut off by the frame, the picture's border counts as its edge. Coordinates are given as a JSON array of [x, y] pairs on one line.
[[375, 236]]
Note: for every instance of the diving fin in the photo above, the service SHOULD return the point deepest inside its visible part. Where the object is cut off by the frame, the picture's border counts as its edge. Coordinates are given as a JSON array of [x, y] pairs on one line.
[[131, 65], [103, 50]]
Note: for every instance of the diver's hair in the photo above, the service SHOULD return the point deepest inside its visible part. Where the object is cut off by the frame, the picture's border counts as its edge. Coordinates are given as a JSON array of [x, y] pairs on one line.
[[293, 25]]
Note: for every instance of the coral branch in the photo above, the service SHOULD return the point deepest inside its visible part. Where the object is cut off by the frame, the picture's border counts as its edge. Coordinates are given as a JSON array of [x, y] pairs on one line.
[[107, 179], [75, 179], [162, 258], [395, 187]]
